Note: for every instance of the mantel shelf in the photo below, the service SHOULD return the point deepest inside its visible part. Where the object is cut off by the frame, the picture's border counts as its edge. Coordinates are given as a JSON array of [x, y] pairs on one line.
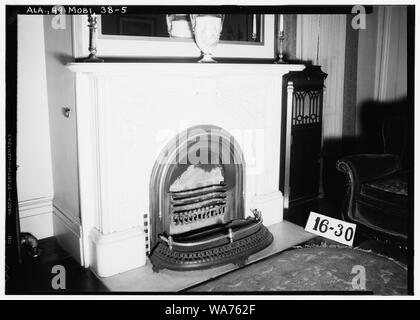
[[156, 68]]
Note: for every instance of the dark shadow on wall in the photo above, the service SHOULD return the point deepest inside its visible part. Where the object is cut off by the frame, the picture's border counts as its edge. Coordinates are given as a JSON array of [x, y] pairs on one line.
[[374, 115], [63, 58], [398, 114]]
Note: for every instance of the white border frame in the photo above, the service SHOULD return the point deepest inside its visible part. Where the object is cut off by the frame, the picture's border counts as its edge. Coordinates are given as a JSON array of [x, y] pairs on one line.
[[135, 47]]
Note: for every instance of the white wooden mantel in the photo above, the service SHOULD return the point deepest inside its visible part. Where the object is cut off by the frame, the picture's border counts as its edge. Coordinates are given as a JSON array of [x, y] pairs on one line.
[[125, 114]]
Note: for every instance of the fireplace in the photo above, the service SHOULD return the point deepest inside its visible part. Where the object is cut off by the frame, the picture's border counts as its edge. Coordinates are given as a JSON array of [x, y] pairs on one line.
[[197, 181], [138, 125], [197, 203]]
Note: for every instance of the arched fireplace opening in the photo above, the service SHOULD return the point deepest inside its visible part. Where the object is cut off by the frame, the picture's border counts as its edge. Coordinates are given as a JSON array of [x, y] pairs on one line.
[[197, 202]]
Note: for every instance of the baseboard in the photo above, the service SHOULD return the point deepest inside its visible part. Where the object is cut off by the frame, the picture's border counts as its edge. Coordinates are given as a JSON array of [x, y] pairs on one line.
[[35, 216], [68, 232]]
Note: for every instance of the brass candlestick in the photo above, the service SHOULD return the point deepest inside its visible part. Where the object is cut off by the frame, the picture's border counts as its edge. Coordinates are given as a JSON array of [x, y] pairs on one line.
[[280, 49], [92, 19]]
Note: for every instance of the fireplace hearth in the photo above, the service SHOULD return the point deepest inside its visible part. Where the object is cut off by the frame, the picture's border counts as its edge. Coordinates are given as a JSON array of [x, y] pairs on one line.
[[232, 242], [198, 210]]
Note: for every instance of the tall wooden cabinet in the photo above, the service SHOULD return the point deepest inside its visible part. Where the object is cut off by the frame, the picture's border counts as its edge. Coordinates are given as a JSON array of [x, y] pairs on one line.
[[300, 177]]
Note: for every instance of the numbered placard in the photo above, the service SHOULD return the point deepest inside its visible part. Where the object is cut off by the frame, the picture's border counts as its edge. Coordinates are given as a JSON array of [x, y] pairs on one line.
[[334, 229]]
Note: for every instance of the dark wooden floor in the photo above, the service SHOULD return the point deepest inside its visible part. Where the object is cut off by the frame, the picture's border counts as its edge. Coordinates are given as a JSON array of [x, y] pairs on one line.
[[34, 276], [298, 213]]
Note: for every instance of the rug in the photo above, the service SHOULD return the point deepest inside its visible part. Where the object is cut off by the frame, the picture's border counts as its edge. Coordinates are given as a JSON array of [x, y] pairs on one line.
[[316, 268]]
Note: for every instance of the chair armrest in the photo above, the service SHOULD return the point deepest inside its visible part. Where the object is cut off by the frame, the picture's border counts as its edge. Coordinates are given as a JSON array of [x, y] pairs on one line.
[[365, 167]]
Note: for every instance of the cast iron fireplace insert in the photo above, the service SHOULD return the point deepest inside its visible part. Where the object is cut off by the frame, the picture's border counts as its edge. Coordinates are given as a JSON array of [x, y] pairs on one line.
[[197, 204]]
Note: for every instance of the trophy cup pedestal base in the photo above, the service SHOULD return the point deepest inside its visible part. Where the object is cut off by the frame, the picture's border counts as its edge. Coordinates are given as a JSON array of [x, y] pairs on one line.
[[206, 58]]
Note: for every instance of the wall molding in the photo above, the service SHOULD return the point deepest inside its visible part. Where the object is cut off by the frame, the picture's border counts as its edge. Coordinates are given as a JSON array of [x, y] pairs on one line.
[[350, 82], [31, 207], [45, 217], [68, 231], [69, 217], [35, 216]]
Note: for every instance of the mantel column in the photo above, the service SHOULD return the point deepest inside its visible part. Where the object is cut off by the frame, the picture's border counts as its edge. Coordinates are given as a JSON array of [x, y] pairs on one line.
[[106, 251]]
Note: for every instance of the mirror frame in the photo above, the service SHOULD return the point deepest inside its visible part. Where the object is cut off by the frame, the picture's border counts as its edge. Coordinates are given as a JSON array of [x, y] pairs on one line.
[[110, 46]]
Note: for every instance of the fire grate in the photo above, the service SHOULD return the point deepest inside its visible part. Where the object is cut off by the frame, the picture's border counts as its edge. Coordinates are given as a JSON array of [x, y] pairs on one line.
[[200, 207]]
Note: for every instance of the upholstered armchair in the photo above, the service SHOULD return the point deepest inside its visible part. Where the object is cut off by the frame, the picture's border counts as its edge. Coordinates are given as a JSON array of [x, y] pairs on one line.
[[378, 186]]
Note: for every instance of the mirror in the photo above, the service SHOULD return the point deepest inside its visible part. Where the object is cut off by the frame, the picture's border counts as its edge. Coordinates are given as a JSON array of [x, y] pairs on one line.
[[241, 28]]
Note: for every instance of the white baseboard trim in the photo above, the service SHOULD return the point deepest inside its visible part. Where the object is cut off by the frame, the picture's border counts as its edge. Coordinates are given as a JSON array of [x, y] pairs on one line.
[[68, 232], [35, 216]]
